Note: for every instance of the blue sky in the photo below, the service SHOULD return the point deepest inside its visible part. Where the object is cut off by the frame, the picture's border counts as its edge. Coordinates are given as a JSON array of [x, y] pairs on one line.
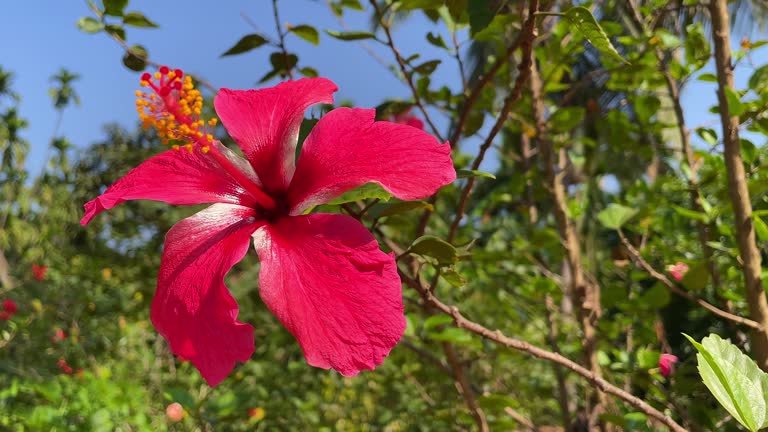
[[38, 40]]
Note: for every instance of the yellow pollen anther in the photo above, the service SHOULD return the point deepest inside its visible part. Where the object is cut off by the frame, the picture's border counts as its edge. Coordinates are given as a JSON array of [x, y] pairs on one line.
[[174, 108]]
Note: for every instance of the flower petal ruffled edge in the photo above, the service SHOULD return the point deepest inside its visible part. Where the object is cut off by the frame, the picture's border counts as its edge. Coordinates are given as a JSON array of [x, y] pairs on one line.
[[328, 282], [192, 307], [174, 177], [347, 148], [265, 124]]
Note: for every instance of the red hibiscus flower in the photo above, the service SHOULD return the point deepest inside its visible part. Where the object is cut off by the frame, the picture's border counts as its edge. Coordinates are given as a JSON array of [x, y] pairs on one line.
[[38, 271], [666, 363], [322, 275]]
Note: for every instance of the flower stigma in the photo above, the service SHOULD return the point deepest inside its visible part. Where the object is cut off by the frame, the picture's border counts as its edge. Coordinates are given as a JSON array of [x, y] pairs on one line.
[[174, 109]]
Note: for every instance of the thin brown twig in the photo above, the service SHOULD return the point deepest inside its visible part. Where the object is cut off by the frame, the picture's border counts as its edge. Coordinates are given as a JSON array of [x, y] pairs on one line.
[[128, 49], [406, 75], [281, 37], [464, 115], [460, 63], [528, 33], [640, 261]]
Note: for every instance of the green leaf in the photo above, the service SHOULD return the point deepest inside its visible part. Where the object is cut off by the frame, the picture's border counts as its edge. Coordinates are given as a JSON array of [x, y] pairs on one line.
[[114, 7], [136, 58], [667, 39], [464, 173], [697, 277], [690, 214], [647, 359], [655, 298], [431, 246], [646, 106], [734, 379], [427, 67], [616, 215], [115, 30], [453, 277], [420, 4], [735, 107], [366, 191], [137, 19], [245, 44], [760, 228], [581, 18], [282, 62], [436, 321], [708, 135], [436, 39], [351, 36], [89, 25], [400, 207], [306, 32], [566, 119], [481, 13], [454, 335], [707, 77], [308, 72], [474, 122], [758, 82]]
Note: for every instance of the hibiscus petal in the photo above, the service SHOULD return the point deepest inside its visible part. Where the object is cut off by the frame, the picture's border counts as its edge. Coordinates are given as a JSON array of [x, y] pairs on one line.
[[175, 177], [347, 149], [265, 124], [192, 307], [328, 282]]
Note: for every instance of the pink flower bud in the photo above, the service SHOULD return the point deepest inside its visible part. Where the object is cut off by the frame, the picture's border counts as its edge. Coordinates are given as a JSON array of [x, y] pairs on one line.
[[174, 412], [666, 364], [678, 270]]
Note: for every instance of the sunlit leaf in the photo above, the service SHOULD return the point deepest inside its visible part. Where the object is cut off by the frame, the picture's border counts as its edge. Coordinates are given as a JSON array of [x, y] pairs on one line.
[[583, 21]]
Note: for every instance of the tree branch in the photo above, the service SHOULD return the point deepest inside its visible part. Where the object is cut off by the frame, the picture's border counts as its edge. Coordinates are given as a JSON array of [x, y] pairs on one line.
[[737, 184], [640, 261], [584, 294], [520, 345]]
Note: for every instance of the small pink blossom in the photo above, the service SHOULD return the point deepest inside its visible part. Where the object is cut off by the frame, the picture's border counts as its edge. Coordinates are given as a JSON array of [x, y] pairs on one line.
[[58, 335], [678, 270], [174, 412], [322, 275], [38, 271], [407, 118], [64, 366], [9, 310], [667, 363]]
